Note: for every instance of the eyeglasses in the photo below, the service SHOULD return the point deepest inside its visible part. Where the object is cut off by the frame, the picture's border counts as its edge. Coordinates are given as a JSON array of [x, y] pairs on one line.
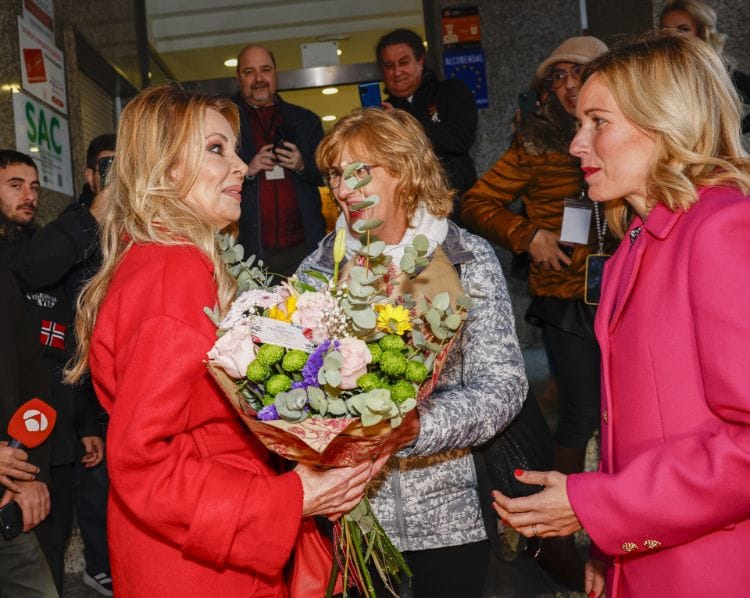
[[333, 176], [558, 76]]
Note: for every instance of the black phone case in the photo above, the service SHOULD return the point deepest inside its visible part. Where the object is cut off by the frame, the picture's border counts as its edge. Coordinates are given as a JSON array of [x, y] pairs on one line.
[[11, 520]]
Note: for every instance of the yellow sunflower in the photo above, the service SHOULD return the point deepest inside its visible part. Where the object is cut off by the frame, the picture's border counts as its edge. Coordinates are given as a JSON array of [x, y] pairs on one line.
[[393, 319]]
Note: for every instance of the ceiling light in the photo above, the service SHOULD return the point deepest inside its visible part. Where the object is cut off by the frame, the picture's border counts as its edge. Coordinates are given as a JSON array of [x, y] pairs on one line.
[[33, 149], [329, 91], [12, 87], [339, 51], [329, 117], [230, 62]]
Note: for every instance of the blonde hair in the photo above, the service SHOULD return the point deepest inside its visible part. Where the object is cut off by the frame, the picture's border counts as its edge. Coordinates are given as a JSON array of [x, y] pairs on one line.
[[395, 141], [704, 18], [161, 129], [675, 88]]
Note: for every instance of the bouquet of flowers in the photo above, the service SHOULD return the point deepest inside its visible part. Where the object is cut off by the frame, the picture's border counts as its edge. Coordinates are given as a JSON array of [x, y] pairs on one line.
[[323, 375]]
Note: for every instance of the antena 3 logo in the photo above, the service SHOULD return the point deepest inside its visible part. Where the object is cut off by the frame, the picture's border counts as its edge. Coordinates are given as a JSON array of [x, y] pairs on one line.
[[35, 420]]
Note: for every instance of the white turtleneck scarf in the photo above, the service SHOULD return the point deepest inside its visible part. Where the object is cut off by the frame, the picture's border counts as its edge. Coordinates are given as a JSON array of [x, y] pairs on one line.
[[423, 223]]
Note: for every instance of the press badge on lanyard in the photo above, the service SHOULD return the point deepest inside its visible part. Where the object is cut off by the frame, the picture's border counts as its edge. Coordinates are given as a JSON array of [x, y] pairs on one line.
[[576, 222]]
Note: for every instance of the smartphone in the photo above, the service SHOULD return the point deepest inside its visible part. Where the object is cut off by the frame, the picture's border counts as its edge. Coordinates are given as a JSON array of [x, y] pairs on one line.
[[527, 102], [11, 520], [369, 95], [280, 136], [103, 164]]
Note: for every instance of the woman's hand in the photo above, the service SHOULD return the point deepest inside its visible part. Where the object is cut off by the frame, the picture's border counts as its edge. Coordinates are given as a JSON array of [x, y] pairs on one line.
[[545, 251], [332, 490], [93, 447], [542, 515], [594, 580], [14, 466]]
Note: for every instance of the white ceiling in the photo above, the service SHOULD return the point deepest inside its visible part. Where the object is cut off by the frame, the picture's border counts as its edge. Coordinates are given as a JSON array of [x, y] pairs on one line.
[[177, 25]]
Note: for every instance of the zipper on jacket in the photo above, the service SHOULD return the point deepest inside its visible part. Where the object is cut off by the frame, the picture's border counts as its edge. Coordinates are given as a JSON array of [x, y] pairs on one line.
[[395, 480]]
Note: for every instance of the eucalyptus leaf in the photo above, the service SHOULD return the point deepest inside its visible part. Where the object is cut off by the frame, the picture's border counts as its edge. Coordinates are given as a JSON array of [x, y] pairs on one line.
[[408, 405], [317, 399], [350, 168], [417, 338], [433, 318], [464, 302], [441, 301], [441, 333], [429, 361], [407, 263], [337, 407], [333, 360], [434, 347], [362, 205], [421, 244], [365, 225], [364, 319], [374, 249], [362, 182], [360, 291], [333, 377], [422, 262], [453, 322], [351, 182], [370, 419]]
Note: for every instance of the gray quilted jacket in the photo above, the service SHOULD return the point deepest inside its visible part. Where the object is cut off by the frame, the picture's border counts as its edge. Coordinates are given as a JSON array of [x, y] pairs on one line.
[[426, 496]]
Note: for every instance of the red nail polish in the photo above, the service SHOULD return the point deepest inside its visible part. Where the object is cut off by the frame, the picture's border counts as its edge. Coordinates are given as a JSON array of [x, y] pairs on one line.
[[504, 521], [518, 472], [591, 594]]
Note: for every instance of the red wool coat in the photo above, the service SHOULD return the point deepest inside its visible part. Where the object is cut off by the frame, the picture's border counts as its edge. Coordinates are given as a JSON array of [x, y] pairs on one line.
[[671, 504], [196, 508]]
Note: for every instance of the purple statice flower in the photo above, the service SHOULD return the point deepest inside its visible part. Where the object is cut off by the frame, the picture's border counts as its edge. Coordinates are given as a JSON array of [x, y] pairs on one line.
[[268, 413], [313, 365]]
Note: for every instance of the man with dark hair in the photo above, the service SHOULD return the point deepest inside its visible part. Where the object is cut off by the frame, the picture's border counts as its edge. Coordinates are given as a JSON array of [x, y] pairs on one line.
[[446, 110], [281, 219], [40, 260]]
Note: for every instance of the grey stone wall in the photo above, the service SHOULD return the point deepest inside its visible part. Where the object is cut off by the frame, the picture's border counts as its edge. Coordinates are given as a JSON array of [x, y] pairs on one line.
[[516, 36]]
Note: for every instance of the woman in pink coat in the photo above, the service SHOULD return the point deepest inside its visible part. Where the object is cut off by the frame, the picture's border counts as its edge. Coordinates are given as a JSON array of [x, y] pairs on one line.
[[197, 505], [669, 510]]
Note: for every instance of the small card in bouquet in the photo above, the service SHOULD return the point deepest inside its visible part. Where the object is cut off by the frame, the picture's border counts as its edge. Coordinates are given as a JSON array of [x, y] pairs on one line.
[[276, 332]]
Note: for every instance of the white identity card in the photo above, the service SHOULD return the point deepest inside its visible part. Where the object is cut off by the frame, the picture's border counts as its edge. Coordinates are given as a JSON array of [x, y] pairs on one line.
[[576, 222], [276, 173]]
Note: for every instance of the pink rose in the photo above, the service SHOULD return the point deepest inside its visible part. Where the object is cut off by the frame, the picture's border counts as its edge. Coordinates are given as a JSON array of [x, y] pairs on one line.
[[233, 351], [310, 309], [356, 357]]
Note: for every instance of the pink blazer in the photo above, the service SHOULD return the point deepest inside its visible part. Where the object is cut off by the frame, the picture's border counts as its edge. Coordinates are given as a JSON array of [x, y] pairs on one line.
[[670, 505]]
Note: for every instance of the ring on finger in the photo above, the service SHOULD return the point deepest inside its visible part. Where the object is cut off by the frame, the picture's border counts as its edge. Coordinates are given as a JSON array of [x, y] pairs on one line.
[[533, 530]]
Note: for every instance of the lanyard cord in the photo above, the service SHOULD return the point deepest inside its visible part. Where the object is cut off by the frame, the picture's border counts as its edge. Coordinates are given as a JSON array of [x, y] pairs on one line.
[[601, 226]]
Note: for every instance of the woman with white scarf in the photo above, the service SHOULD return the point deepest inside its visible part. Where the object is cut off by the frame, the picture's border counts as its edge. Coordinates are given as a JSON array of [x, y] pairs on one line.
[[426, 494]]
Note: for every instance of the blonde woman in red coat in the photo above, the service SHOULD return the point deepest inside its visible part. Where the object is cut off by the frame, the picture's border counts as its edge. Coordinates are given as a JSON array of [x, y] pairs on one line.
[[197, 506], [669, 509]]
